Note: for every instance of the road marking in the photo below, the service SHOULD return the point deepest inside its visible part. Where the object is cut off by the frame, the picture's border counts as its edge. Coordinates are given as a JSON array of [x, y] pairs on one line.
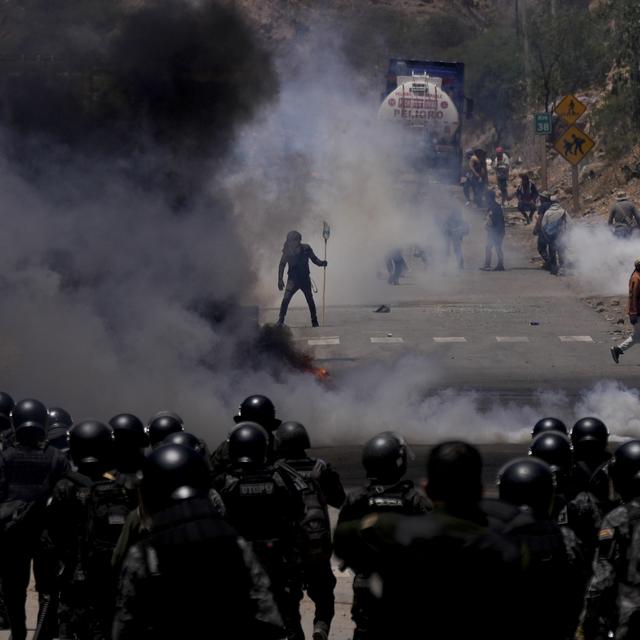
[[386, 340], [450, 339], [576, 338], [321, 342], [512, 339]]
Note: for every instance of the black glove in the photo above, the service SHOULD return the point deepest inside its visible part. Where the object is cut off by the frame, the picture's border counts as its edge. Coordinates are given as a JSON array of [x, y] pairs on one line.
[[324, 263], [280, 285]]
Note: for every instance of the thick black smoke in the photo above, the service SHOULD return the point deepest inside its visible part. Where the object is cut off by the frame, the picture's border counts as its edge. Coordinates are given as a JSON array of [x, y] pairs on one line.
[[121, 267]]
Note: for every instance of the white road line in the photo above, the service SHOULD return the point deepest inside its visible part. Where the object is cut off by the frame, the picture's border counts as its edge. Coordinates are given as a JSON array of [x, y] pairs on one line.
[[450, 339], [321, 342], [386, 340], [512, 339], [576, 338]]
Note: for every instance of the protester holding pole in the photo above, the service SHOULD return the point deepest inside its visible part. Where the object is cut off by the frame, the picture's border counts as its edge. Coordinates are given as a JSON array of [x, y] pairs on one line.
[[297, 255]]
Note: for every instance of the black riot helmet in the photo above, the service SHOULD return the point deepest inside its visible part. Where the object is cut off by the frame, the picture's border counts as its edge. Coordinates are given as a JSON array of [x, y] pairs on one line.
[[625, 470], [161, 425], [186, 439], [128, 431], [258, 409], [60, 422], [172, 473], [30, 420], [527, 482], [91, 445], [385, 457], [6, 406], [549, 424], [554, 448], [59, 417], [294, 236], [589, 438], [293, 440], [248, 443]]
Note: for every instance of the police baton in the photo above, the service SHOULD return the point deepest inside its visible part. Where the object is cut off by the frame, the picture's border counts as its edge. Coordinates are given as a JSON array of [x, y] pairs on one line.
[[326, 232]]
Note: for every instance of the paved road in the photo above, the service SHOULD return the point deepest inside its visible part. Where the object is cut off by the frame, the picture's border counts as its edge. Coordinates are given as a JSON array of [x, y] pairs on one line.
[[507, 332]]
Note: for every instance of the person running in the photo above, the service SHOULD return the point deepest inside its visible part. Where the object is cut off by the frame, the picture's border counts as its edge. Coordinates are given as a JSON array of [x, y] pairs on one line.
[[633, 310]]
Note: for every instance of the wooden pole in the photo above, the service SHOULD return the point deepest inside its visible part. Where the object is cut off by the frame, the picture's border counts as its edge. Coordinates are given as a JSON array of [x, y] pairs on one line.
[[324, 281], [575, 189]]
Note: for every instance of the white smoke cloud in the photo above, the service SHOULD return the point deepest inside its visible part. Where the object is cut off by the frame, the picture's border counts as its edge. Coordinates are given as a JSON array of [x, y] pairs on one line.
[[602, 261]]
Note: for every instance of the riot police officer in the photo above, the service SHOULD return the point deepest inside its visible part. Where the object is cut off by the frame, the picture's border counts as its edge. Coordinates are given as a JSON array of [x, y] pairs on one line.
[[222, 589], [555, 565], [255, 408], [314, 541], [589, 438], [60, 421], [385, 459], [28, 474], [161, 425], [442, 574], [612, 603], [580, 513], [264, 504], [85, 517], [548, 424]]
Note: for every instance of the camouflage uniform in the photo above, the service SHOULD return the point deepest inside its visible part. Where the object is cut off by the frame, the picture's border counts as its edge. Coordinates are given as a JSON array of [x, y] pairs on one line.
[[612, 602], [222, 589], [583, 517], [87, 583], [314, 544], [264, 505], [402, 499]]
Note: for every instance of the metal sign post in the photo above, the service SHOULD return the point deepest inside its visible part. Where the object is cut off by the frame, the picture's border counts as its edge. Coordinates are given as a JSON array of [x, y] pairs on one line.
[[326, 232], [542, 122], [574, 144]]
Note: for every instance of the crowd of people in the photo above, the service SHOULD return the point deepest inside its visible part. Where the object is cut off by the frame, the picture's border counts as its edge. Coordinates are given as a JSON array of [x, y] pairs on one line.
[[139, 532], [551, 222]]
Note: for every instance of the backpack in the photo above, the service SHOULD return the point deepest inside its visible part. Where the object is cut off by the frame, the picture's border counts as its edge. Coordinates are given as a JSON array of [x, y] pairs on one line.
[[107, 506], [315, 528]]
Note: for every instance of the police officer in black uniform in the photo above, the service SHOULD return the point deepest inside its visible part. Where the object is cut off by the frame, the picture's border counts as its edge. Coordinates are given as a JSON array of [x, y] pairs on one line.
[[264, 504], [548, 424], [28, 474], [161, 425], [85, 518], [442, 574], [580, 513], [129, 443], [256, 408], [555, 565], [60, 421], [590, 472], [193, 576], [385, 459], [297, 256], [324, 488]]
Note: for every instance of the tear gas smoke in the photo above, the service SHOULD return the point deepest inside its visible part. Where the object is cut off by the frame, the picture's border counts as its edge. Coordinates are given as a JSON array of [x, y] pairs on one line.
[[601, 260], [124, 215]]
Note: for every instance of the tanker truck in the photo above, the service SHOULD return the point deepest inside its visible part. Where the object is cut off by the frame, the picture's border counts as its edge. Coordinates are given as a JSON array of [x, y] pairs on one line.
[[426, 98]]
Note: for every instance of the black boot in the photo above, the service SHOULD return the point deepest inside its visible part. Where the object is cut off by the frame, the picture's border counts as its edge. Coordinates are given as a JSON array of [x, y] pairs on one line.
[[616, 352]]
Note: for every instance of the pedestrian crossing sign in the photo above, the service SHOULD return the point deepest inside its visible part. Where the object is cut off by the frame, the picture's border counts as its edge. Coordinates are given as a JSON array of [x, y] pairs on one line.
[[574, 145], [570, 109]]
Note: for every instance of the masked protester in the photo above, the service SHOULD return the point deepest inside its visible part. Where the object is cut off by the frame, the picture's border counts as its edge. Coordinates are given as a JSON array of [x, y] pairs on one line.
[[297, 255], [633, 311]]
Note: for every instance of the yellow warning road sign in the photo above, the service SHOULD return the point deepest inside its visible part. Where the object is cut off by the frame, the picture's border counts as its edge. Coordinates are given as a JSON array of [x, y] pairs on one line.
[[570, 109], [574, 145]]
